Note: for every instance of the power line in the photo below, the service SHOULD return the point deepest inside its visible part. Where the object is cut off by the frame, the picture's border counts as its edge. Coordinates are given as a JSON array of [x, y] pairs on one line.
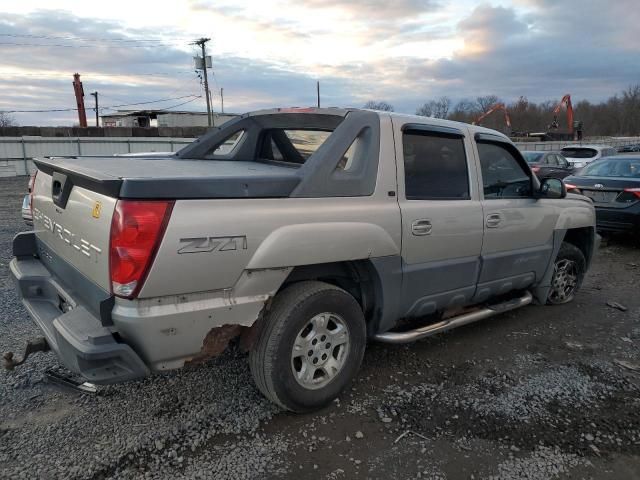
[[96, 74], [152, 101], [58, 45], [86, 39], [179, 104], [111, 107]]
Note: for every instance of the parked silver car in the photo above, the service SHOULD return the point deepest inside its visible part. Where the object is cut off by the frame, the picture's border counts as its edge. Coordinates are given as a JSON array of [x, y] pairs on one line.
[[581, 155]]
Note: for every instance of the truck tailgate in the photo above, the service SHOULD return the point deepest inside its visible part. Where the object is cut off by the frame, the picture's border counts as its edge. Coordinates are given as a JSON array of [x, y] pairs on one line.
[[76, 228]]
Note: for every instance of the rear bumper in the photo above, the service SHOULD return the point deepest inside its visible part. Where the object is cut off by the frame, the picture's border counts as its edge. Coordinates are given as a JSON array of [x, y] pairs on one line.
[[115, 340], [77, 336], [618, 219]]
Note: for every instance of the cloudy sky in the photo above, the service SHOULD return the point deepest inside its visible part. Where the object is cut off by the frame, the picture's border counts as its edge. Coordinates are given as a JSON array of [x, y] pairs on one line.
[[271, 52]]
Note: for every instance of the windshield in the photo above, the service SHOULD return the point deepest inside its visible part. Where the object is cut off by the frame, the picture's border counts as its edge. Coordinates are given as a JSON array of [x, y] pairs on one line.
[[532, 157], [613, 168], [577, 152]]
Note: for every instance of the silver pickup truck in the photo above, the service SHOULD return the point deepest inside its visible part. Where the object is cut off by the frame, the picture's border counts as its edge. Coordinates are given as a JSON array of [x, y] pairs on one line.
[[299, 235]]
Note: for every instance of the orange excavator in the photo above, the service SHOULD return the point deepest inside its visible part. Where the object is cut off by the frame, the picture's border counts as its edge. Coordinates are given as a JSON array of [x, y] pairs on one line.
[[565, 102], [497, 106], [574, 129]]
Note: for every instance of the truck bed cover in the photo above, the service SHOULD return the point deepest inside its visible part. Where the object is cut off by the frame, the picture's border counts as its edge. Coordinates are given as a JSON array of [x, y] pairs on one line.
[[171, 177]]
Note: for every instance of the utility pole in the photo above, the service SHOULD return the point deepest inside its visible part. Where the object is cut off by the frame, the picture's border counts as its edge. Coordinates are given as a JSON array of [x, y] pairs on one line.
[[221, 99], [95, 94], [202, 43], [318, 91]]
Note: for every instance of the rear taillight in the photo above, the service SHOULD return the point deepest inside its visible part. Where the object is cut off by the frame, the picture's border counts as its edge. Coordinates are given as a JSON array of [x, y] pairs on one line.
[[535, 169], [634, 191], [629, 195], [32, 184], [572, 188], [137, 228]]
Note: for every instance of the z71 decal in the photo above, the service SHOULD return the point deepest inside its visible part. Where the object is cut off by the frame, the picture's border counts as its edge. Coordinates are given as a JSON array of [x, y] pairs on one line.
[[212, 244]]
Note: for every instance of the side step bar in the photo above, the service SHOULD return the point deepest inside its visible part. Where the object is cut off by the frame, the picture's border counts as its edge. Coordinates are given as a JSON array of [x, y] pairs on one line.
[[453, 322]]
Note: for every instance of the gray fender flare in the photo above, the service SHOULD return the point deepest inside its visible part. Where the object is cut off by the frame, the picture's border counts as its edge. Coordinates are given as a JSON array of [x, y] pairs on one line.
[[570, 218]]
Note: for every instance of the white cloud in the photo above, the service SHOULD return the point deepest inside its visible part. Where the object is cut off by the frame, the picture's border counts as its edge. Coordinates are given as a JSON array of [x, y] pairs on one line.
[[269, 53]]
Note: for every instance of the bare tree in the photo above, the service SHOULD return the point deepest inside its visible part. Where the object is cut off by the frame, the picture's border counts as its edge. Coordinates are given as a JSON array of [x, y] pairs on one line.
[[618, 115], [435, 108], [464, 111], [486, 102], [443, 105], [382, 106], [7, 120], [426, 109]]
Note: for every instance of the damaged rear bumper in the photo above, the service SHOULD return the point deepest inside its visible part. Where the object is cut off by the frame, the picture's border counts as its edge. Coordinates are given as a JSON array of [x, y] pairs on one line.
[[138, 336], [75, 334]]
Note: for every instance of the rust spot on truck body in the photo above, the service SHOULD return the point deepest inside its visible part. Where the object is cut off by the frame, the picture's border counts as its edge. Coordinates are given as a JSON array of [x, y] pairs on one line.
[[216, 342], [218, 338]]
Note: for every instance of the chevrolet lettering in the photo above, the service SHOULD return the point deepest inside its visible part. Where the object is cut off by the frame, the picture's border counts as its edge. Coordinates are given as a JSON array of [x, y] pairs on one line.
[[71, 239]]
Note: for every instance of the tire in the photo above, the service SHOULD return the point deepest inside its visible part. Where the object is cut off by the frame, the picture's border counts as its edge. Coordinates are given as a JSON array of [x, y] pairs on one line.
[[307, 316], [569, 269]]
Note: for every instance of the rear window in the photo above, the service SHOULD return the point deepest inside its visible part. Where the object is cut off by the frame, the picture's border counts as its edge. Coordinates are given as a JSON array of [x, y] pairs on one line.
[[579, 152], [613, 168], [291, 146], [532, 157]]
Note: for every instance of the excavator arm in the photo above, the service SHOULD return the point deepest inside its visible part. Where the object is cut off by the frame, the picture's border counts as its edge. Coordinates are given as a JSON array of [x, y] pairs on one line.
[[565, 102], [497, 106]]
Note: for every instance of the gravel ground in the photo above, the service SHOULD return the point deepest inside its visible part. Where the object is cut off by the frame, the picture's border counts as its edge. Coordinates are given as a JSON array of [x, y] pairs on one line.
[[539, 393]]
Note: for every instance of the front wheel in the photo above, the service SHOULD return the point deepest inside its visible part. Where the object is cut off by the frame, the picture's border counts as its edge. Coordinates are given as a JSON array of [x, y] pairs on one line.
[[569, 269], [311, 346]]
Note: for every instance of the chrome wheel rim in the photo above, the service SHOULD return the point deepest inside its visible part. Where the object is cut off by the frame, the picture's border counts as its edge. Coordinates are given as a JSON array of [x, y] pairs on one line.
[[320, 350], [564, 281]]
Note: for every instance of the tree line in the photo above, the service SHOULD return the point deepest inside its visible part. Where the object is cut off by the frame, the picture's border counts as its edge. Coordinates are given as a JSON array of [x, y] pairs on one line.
[[618, 115]]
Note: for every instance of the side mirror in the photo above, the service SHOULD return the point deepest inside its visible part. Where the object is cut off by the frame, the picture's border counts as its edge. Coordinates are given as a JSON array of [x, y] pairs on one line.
[[552, 188]]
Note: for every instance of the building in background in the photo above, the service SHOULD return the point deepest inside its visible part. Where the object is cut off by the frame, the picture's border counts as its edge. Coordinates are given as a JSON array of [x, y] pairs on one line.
[[162, 118]]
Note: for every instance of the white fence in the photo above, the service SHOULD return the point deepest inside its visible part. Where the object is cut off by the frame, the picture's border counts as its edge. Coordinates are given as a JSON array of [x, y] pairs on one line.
[[16, 152], [555, 146]]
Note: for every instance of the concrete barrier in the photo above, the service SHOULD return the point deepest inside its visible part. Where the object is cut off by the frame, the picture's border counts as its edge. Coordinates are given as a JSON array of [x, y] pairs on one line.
[[555, 146]]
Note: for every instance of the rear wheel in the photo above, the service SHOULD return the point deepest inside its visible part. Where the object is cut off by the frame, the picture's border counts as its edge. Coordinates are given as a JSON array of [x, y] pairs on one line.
[[311, 346], [568, 272]]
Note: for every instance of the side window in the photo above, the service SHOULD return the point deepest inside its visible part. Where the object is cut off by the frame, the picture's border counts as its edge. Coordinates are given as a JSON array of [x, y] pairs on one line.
[[552, 160], [435, 167], [562, 161], [502, 174]]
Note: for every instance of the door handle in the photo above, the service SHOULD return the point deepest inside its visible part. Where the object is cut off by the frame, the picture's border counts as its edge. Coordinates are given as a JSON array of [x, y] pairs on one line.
[[421, 227], [493, 220]]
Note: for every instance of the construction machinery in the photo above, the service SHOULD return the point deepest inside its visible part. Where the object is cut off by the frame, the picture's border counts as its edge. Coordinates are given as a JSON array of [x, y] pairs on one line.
[[574, 128], [495, 107]]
